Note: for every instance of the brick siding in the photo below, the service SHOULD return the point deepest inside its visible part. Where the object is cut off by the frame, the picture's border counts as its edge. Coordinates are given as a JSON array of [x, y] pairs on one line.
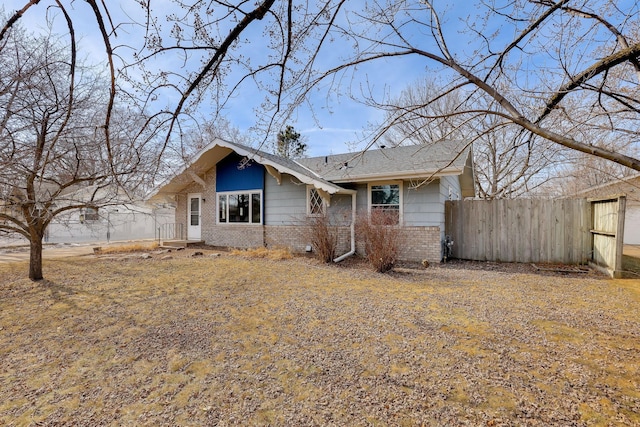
[[418, 243], [236, 236]]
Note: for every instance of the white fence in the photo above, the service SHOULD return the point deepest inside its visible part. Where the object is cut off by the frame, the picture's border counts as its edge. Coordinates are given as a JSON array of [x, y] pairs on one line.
[[112, 225]]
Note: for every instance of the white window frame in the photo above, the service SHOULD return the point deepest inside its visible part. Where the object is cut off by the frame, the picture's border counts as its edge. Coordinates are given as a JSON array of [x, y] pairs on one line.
[[226, 194], [311, 188], [370, 186]]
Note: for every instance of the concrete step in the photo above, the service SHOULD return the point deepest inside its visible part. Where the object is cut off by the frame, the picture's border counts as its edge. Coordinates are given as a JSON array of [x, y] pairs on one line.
[[180, 243], [168, 244]]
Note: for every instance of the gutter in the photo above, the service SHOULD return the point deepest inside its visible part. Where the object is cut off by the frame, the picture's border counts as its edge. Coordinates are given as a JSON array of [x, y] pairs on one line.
[[352, 227]]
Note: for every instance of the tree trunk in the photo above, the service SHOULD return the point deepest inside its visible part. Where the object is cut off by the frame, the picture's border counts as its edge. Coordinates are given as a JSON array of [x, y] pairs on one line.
[[35, 257]]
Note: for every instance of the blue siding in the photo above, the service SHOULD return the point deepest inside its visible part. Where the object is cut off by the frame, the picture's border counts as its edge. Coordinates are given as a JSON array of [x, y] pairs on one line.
[[232, 174]]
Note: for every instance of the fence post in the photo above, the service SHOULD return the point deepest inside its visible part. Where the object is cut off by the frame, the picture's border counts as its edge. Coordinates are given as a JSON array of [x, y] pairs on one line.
[[622, 206]]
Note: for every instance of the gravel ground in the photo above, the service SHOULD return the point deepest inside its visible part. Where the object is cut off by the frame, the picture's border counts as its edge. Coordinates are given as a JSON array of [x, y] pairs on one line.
[[180, 338]]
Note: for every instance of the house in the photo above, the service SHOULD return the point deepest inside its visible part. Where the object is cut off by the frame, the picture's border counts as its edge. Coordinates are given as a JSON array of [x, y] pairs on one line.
[[114, 216], [232, 195], [118, 222], [109, 215], [629, 187]]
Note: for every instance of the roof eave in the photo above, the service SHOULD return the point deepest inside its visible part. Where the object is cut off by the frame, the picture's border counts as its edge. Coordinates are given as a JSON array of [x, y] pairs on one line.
[[400, 176], [254, 155], [326, 186]]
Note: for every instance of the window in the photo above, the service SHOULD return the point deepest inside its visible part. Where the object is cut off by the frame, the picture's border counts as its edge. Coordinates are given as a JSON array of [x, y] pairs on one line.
[[387, 198], [90, 214], [240, 207], [315, 202], [194, 211]]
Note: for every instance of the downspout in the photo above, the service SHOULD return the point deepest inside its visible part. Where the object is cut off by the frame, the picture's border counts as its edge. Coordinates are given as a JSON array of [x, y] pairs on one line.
[[352, 227]]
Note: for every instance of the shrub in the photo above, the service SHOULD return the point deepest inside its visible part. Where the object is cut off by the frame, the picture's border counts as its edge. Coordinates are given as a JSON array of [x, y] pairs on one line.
[[381, 236], [323, 237]]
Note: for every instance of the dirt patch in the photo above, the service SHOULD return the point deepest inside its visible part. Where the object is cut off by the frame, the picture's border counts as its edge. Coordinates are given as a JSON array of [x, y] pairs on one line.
[[228, 340]]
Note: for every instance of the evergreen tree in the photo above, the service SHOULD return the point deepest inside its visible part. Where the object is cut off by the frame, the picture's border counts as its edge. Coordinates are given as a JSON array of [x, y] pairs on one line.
[[290, 143]]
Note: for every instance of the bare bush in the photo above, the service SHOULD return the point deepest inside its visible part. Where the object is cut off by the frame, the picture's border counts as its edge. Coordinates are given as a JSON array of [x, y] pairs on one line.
[[380, 233], [323, 236]]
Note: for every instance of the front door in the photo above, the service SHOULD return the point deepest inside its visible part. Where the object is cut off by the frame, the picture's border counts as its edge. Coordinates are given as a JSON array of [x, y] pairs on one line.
[[194, 203]]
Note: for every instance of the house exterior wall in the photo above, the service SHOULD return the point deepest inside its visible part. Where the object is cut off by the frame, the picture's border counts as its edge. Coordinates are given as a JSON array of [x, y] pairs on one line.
[[422, 206], [115, 223], [284, 217], [181, 214], [297, 237], [236, 236], [284, 204], [450, 188], [207, 208], [420, 243], [632, 223]]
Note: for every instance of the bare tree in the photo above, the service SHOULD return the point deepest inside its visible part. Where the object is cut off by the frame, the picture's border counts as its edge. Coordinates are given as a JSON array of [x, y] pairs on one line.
[[557, 69], [581, 171], [52, 143], [508, 162], [569, 68], [560, 70], [193, 139], [422, 113]]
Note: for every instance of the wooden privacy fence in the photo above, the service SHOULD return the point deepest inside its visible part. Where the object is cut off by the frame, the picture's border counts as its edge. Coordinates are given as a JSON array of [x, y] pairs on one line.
[[520, 230], [571, 231]]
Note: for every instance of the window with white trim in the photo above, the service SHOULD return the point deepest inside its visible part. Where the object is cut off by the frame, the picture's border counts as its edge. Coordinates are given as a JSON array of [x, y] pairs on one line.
[[316, 205], [240, 207], [386, 197]]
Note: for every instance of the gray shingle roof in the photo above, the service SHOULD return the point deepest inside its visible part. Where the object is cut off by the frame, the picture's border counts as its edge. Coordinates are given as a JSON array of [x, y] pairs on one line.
[[441, 158], [327, 172]]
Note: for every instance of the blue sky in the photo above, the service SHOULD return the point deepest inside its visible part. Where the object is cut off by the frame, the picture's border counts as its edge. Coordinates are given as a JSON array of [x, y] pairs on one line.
[[337, 123]]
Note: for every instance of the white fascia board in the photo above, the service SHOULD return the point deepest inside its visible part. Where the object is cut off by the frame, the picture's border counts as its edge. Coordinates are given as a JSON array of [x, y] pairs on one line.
[[331, 189], [184, 168]]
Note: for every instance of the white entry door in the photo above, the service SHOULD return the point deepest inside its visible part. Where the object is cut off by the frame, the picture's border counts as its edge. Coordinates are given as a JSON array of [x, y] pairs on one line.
[[194, 204]]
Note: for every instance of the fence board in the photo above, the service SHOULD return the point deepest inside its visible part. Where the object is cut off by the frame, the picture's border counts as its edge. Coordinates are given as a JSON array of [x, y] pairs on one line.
[[526, 230], [608, 233]]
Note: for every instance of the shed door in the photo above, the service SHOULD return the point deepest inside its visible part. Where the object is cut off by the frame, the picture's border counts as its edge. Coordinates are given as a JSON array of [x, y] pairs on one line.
[[194, 203]]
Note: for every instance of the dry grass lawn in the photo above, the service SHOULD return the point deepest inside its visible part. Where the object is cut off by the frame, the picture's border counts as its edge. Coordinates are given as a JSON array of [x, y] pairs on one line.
[[238, 341]]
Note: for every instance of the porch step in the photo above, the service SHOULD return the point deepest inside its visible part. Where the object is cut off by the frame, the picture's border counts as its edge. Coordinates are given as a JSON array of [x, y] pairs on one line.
[[169, 244]]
